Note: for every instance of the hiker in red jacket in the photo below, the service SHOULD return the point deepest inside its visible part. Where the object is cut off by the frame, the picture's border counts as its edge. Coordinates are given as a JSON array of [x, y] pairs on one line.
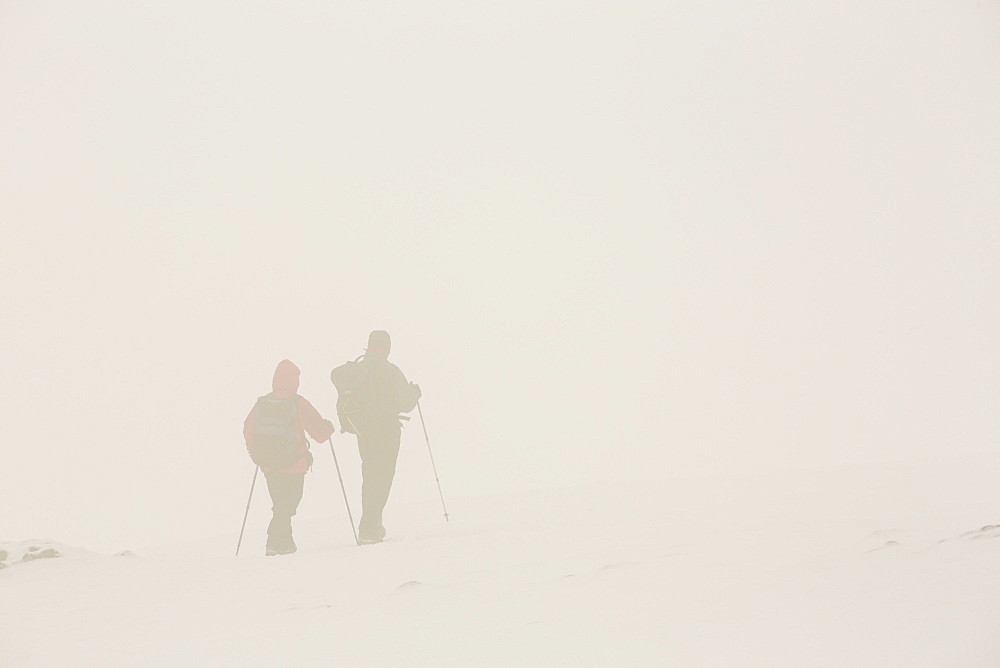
[[286, 484]]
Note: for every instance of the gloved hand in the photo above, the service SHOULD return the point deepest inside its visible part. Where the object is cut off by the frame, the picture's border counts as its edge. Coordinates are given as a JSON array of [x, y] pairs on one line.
[[416, 389]]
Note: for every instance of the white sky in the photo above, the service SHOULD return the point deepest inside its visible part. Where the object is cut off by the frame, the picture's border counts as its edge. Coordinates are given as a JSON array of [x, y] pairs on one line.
[[610, 240]]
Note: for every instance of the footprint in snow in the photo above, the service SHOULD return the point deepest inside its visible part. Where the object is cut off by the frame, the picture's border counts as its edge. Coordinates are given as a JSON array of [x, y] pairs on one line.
[[889, 544], [988, 531]]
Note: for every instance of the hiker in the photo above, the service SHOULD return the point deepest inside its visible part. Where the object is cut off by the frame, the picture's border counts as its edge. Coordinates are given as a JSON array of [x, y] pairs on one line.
[[375, 418], [285, 480]]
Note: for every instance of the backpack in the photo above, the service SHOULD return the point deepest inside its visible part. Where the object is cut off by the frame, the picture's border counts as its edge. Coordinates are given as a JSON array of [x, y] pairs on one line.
[[355, 392], [274, 444]]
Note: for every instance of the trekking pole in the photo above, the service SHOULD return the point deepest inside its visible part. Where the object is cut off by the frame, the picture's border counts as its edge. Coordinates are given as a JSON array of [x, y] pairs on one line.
[[436, 479], [344, 490], [247, 511]]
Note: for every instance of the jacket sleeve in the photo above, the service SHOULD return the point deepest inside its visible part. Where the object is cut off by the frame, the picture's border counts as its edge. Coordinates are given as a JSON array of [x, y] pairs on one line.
[[405, 393], [318, 428]]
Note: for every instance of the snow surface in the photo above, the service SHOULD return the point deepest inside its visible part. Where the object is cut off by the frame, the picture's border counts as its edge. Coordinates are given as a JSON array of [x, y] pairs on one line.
[[876, 566], [610, 240]]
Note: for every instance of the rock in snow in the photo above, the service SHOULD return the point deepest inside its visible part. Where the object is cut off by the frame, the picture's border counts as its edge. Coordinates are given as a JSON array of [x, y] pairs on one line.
[[13, 553]]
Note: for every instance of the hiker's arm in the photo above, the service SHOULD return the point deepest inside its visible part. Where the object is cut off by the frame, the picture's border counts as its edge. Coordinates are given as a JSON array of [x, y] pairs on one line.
[[318, 428], [408, 394]]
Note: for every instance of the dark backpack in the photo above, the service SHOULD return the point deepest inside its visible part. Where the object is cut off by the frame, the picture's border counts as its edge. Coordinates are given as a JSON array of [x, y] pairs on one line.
[[355, 385], [274, 444]]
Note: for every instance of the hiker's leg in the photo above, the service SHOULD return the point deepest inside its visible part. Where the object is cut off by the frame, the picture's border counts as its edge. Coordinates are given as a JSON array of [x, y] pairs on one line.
[[286, 493], [379, 454], [368, 449], [387, 472]]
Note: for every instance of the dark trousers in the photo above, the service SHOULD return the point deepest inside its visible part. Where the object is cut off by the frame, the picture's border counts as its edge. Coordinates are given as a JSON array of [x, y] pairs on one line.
[[379, 447], [286, 492]]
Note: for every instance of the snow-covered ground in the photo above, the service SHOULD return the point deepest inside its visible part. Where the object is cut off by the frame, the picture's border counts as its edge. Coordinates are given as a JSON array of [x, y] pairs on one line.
[[867, 566]]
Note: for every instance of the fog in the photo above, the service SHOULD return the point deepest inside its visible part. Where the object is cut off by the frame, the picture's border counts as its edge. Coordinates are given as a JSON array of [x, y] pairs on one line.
[[611, 242]]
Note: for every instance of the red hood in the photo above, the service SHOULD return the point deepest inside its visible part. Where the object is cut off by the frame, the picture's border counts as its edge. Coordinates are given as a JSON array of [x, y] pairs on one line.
[[286, 378]]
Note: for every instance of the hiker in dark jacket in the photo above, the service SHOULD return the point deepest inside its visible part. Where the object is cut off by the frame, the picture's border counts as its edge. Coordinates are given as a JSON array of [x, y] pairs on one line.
[[286, 485], [378, 428]]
